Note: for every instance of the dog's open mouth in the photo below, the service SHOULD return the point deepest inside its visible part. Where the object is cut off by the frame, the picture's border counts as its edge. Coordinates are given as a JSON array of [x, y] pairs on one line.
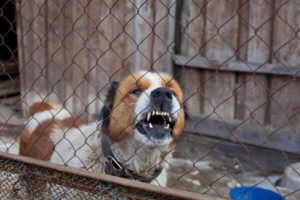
[[156, 124]]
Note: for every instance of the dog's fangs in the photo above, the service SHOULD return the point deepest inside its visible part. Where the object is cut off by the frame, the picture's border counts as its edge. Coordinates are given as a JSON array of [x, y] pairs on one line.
[[133, 137]]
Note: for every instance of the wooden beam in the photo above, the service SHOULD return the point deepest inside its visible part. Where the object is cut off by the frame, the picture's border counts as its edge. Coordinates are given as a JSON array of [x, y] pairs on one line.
[[241, 132], [236, 66], [251, 158]]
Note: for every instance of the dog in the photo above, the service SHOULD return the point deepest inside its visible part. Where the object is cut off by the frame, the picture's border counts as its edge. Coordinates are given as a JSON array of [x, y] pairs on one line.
[[133, 137]]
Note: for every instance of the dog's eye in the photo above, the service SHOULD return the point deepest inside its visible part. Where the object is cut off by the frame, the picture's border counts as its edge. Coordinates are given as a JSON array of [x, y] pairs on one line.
[[136, 91]]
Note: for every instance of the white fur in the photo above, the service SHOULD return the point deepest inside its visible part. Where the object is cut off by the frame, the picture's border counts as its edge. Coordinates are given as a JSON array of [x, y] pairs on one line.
[[81, 148], [72, 145], [150, 141], [35, 120]]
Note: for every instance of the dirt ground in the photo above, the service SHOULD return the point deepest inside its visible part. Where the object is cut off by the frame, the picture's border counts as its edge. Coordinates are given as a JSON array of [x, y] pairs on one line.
[[209, 175]]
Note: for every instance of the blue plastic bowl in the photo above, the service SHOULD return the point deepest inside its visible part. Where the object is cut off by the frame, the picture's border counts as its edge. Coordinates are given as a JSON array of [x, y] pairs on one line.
[[253, 193]]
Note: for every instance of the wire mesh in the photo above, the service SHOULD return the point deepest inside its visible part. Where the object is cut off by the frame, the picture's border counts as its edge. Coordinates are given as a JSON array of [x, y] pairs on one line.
[[236, 61], [26, 179]]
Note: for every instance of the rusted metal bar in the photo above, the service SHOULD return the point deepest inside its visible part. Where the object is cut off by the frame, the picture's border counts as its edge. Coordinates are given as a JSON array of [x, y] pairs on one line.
[[130, 186]]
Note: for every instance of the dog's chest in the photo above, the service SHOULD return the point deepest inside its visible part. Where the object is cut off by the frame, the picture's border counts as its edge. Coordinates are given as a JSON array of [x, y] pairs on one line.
[[81, 148]]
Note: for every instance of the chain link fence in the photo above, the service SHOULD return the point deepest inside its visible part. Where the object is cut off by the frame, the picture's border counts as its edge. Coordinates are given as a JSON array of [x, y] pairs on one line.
[[237, 62], [28, 179]]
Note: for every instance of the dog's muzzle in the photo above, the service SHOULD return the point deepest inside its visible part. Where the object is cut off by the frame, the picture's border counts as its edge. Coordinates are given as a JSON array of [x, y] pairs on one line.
[[161, 99], [157, 122]]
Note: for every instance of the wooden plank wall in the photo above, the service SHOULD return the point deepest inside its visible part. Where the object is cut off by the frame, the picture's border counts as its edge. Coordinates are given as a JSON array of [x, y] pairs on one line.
[[256, 31], [70, 51]]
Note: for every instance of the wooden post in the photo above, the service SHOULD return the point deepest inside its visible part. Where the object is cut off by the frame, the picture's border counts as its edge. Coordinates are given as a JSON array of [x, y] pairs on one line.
[[257, 24], [192, 42], [221, 37], [285, 95]]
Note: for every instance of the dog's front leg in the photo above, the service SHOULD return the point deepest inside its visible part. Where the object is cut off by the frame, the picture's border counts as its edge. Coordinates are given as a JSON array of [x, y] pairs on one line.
[[161, 180]]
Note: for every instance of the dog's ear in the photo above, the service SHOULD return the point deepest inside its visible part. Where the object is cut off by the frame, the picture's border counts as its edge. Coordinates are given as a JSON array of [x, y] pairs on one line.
[[107, 107]]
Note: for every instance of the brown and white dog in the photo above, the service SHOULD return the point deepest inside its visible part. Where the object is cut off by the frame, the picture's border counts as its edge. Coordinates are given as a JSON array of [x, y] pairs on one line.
[[134, 137]]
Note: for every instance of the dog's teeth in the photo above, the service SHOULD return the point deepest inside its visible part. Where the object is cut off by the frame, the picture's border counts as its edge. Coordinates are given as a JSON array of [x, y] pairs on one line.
[[148, 116], [156, 112], [170, 119], [153, 113], [167, 126], [150, 125]]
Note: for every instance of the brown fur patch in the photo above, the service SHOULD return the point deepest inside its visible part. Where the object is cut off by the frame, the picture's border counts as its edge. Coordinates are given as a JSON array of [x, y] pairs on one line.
[[171, 83], [40, 107], [70, 122], [122, 116], [38, 143], [178, 128]]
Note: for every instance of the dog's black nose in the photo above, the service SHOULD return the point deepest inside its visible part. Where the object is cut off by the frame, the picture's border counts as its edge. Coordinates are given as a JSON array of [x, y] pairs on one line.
[[161, 98], [162, 93]]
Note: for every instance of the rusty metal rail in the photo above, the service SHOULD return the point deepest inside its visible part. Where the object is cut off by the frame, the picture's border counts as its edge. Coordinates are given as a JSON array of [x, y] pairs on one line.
[[27, 178]]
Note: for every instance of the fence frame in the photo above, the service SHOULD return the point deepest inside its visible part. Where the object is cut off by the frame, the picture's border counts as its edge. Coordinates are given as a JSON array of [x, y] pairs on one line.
[[130, 184]]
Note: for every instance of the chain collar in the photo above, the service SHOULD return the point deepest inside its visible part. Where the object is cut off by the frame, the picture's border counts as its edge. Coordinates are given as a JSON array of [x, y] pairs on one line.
[[116, 168]]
